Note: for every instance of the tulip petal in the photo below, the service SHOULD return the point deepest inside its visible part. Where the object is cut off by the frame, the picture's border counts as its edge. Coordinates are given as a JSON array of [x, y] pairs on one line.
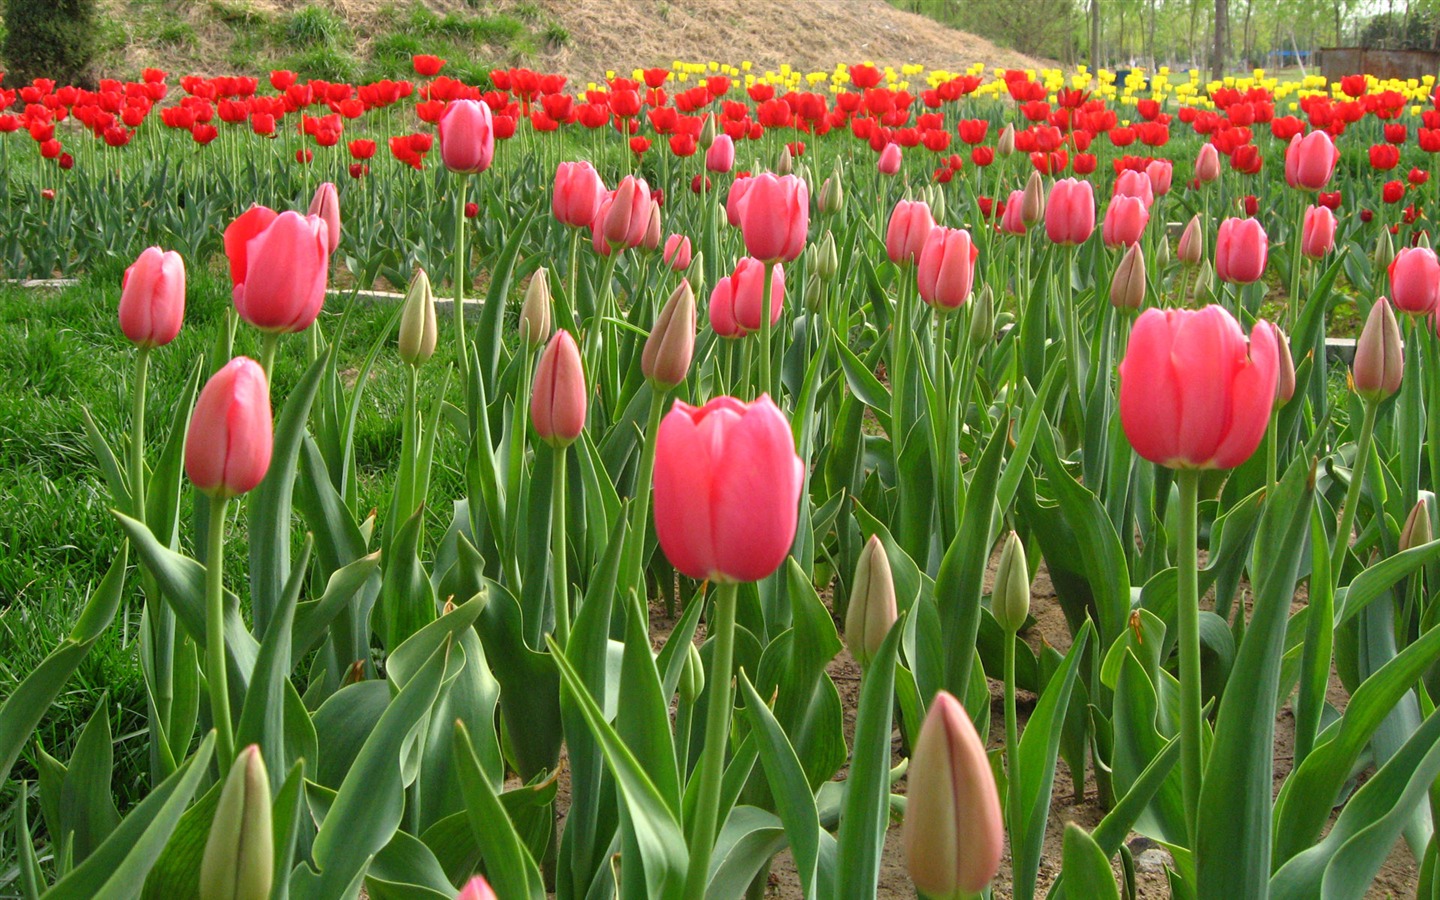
[[1252, 397], [756, 491], [683, 467]]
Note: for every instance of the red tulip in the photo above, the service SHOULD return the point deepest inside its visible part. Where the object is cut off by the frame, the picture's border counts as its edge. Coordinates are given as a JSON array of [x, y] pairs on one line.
[[947, 268], [775, 217], [285, 272], [909, 228], [557, 400], [1317, 236], [721, 155], [427, 66], [1070, 212], [737, 300], [1384, 157], [467, 137], [1192, 395], [1415, 281], [238, 234], [152, 298], [1241, 250], [228, 445], [326, 205], [1392, 192], [727, 488], [1125, 221], [890, 159], [577, 195], [1310, 161]]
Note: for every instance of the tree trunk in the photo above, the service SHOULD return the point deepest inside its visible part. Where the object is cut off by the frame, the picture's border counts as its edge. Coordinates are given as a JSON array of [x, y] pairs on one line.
[[1194, 30], [1222, 27], [1095, 36]]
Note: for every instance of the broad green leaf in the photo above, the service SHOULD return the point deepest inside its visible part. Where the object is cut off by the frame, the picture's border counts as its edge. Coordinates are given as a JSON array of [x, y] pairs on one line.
[[1085, 867], [512, 871], [1379, 578], [748, 840]]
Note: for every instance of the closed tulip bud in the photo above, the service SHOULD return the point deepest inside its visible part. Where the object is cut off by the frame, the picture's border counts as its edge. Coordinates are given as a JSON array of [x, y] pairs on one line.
[[467, 137], [1070, 212], [1125, 221], [476, 888], [775, 217], [557, 400], [628, 217], [239, 858], [417, 321], [1310, 160], [708, 135], [1384, 250], [152, 298], [1162, 254], [1417, 530], [737, 302], [1010, 598], [827, 259], [890, 159], [231, 434], [1379, 354], [1424, 241], [1204, 281], [1005, 144], [677, 252], [535, 312], [1127, 287], [665, 360], [953, 833], [982, 317], [1317, 235], [814, 298], [910, 225], [936, 198], [692, 675], [286, 267], [1207, 164], [947, 268], [832, 196], [872, 609], [1032, 202], [1241, 251], [1192, 243], [326, 205], [653, 230], [720, 157], [1415, 280], [1285, 380], [784, 162], [577, 194]]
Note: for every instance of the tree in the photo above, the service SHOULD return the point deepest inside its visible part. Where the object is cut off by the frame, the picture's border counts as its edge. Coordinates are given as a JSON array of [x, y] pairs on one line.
[[1222, 29], [55, 39]]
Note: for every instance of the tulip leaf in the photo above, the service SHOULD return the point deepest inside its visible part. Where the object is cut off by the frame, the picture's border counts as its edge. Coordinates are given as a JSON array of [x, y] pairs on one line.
[[529, 685], [109, 464], [1375, 581], [407, 599], [865, 386], [502, 271], [313, 617], [1086, 868], [1035, 404], [748, 840], [176, 874], [1138, 743], [643, 718], [162, 492], [512, 870], [85, 813]]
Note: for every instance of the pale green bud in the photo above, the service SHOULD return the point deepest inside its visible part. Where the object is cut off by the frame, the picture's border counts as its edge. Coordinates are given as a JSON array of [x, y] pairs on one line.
[[827, 258], [982, 317], [1417, 530], [1384, 250], [872, 609], [692, 675], [535, 313], [418, 330], [239, 858], [1010, 599]]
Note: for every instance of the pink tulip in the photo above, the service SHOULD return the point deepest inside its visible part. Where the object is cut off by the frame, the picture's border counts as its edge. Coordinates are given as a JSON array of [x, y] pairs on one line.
[[285, 272], [736, 303], [654, 228], [629, 213], [775, 217], [1012, 221], [1131, 183], [1070, 214], [1241, 250], [1310, 161], [577, 195], [677, 252], [890, 159], [1192, 395], [1379, 363], [228, 445], [467, 137], [1192, 243], [326, 205], [1207, 164], [721, 155], [1160, 172], [152, 298], [910, 226], [1125, 220], [238, 234], [727, 488], [953, 833], [597, 225], [735, 200], [1415, 280], [1317, 236], [947, 268], [557, 399], [476, 888]]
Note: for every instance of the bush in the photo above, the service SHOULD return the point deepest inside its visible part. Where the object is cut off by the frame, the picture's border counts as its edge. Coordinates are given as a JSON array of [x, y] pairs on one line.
[[49, 40]]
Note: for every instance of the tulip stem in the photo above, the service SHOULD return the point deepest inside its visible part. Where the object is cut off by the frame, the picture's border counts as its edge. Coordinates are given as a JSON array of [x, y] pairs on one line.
[[560, 580], [137, 435], [717, 736], [269, 342], [1352, 494], [215, 674], [1012, 740], [765, 307], [461, 352], [1188, 620], [636, 563]]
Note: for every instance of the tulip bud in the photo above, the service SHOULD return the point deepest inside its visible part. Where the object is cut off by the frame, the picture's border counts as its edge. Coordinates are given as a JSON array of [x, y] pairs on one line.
[[1285, 377], [239, 858], [665, 361], [326, 205], [784, 162], [1005, 144], [152, 298], [1204, 281], [890, 160], [677, 252], [1424, 241], [1192, 242], [231, 435], [1010, 598], [476, 888], [707, 132], [535, 313], [692, 675], [936, 200], [1032, 209], [814, 295], [1417, 530], [982, 317], [1384, 250], [557, 399], [1379, 354], [827, 259], [832, 196], [1162, 254], [417, 321], [872, 603], [653, 229], [1127, 287]]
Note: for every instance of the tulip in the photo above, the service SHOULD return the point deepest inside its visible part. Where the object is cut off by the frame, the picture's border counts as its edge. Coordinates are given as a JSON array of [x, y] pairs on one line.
[[1285, 377], [557, 400], [535, 312], [784, 162], [628, 215], [982, 318], [1131, 183], [239, 858], [665, 361], [910, 226], [736, 303], [1125, 221], [653, 229], [1127, 287], [775, 217], [1207, 164], [872, 609], [1415, 280], [1012, 221], [152, 298], [1384, 250], [228, 444], [467, 137], [677, 252], [947, 268], [952, 834], [1032, 203], [721, 155], [1310, 161], [476, 888], [890, 159], [1418, 530], [326, 205], [827, 259], [1161, 172], [832, 196], [286, 265], [1010, 598], [238, 234], [418, 329], [1005, 144], [1241, 249], [1317, 234], [1192, 243], [735, 200], [1379, 354], [577, 195], [727, 488], [692, 675], [1192, 396], [1070, 213]]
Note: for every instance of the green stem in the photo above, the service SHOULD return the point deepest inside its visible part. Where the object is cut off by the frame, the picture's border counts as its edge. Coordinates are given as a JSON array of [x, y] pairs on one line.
[[269, 341], [641, 507], [1188, 616], [1012, 741], [410, 477], [559, 579], [717, 736], [765, 386], [1271, 451], [215, 673], [1352, 494], [461, 353], [137, 435]]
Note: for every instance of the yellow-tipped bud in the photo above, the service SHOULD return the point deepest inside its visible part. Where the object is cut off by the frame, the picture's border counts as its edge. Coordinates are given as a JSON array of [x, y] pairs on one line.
[[418, 330]]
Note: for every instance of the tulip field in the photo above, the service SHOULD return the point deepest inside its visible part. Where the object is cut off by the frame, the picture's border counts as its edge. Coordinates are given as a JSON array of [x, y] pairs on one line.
[[705, 483]]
